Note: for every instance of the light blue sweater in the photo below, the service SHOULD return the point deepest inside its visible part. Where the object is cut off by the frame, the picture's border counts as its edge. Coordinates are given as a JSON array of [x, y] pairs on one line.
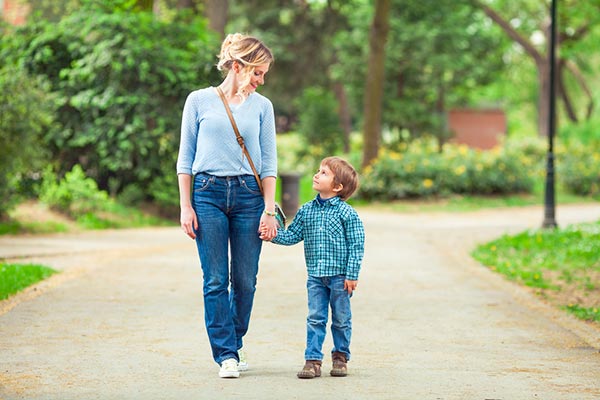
[[208, 143]]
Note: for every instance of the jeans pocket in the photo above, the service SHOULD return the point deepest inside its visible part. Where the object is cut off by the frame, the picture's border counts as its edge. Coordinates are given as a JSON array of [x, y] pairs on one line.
[[250, 185], [202, 182]]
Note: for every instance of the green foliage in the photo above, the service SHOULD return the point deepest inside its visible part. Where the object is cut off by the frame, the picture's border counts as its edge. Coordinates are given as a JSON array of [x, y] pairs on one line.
[[578, 168], [16, 277], [439, 55], [587, 132], [121, 79], [421, 170], [562, 260], [75, 194], [24, 116], [585, 313], [300, 37], [318, 121]]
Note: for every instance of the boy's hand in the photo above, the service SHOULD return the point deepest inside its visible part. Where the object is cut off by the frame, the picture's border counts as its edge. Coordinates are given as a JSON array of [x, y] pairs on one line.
[[263, 231], [350, 286]]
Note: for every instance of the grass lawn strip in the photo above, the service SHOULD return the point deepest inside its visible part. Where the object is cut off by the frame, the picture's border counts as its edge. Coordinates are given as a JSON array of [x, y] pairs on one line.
[[16, 277], [562, 265]]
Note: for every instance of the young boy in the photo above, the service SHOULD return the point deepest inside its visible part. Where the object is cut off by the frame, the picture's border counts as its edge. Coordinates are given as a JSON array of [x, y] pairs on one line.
[[334, 238]]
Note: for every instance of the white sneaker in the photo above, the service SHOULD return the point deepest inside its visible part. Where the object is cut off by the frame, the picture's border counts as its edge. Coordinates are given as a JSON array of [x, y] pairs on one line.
[[229, 369], [243, 364]]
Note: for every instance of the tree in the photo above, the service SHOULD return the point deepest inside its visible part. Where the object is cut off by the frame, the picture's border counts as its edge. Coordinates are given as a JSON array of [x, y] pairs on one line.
[[216, 12], [373, 101], [576, 20], [300, 34], [24, 115], [120, 78]]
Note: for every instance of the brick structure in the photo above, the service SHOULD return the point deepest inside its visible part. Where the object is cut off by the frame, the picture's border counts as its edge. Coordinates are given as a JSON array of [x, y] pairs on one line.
[[14, 11], [478, 128]]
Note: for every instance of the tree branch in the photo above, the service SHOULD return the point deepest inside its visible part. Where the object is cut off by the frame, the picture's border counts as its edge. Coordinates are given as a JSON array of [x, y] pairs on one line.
[[510, 31], [574, 69]]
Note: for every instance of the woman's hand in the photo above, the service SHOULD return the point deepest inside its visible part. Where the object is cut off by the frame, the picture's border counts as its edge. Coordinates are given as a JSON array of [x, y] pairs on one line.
[[189, 221], [268, 227]]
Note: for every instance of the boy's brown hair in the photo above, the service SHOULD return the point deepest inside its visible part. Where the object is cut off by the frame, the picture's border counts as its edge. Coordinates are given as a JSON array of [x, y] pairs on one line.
[[344, 174]]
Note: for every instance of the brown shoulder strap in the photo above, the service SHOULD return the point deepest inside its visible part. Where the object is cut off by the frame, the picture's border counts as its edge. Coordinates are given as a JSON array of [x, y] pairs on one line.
[[240, 139]]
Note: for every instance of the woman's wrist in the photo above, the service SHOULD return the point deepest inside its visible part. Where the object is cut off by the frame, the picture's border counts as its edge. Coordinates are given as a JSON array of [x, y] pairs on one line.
[[270, 213]]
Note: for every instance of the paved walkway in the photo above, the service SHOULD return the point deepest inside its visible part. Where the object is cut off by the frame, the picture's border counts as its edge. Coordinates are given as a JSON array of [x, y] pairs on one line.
[[124, 320]]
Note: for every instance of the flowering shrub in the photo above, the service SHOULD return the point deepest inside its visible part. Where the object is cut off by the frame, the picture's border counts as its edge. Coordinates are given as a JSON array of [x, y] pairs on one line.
[[419, 169], [579, 169]]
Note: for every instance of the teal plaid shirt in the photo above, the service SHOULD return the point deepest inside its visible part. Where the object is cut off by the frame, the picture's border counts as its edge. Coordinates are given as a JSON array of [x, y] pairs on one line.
[[334, 238]]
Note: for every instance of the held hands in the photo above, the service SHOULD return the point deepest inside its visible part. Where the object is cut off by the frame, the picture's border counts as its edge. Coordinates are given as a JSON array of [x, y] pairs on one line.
[[189, 221], [268, 227], [350, 286]]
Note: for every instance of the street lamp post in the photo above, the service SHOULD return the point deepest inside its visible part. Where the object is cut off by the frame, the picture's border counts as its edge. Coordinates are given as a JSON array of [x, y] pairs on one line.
[[549, 198]]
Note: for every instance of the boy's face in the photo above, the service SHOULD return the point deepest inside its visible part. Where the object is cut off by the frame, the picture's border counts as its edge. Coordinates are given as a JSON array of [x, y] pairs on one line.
[[323, 182]]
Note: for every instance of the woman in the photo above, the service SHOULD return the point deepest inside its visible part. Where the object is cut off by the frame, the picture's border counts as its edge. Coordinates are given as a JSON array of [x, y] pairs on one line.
[[226, 206]]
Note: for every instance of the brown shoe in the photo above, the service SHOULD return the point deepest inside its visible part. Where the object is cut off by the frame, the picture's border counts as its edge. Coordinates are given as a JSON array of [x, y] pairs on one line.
[[311, 369], [339, 364]]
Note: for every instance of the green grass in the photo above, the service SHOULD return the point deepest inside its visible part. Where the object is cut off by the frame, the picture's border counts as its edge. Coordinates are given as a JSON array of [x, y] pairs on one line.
[[113, 215], [585, 313], [16, 227], [562, 264], [16, 277]]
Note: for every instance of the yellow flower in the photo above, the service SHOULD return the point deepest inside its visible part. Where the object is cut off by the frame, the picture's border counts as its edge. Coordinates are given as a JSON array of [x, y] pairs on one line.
[[493, 248], [395, 156], [463, 149], [427, 183], [460, 170]]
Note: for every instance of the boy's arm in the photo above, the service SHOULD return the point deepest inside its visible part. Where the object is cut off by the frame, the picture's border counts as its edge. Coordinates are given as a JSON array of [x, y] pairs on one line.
[[355, 238], [294, 232]]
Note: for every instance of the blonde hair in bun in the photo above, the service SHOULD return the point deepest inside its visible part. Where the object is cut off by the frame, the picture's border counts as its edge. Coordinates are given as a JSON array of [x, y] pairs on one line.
[[248, 51]]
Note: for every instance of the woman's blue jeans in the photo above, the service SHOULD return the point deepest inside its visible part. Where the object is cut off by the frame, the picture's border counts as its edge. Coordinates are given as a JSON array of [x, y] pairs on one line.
[[228, 211], [322, 293]]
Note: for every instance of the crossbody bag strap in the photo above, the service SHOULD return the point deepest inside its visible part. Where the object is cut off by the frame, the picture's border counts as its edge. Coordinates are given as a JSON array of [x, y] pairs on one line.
[[240, 139]]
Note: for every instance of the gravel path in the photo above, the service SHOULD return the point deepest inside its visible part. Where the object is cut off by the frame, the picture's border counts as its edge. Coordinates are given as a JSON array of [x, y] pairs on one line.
[[123, 320]]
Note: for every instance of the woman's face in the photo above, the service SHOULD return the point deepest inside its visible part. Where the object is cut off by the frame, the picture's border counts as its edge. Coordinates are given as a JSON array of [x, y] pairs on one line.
[[257, 78]]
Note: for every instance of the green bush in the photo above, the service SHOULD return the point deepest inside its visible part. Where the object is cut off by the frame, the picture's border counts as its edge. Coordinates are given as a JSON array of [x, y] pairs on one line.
[[579, 169], [24, 116], [75, 194], [421, 170], [121, 78]]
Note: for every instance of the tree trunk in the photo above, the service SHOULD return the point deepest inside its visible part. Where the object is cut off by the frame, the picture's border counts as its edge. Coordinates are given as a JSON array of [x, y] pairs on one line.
[[145, 5], [373, 100], [181, 4], [440, 110], [344, 114], [216, 13], [543, 98]]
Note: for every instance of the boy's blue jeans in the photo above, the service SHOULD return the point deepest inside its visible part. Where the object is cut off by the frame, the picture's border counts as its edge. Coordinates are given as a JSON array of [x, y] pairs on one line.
[[228, 211], [322, 293]]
